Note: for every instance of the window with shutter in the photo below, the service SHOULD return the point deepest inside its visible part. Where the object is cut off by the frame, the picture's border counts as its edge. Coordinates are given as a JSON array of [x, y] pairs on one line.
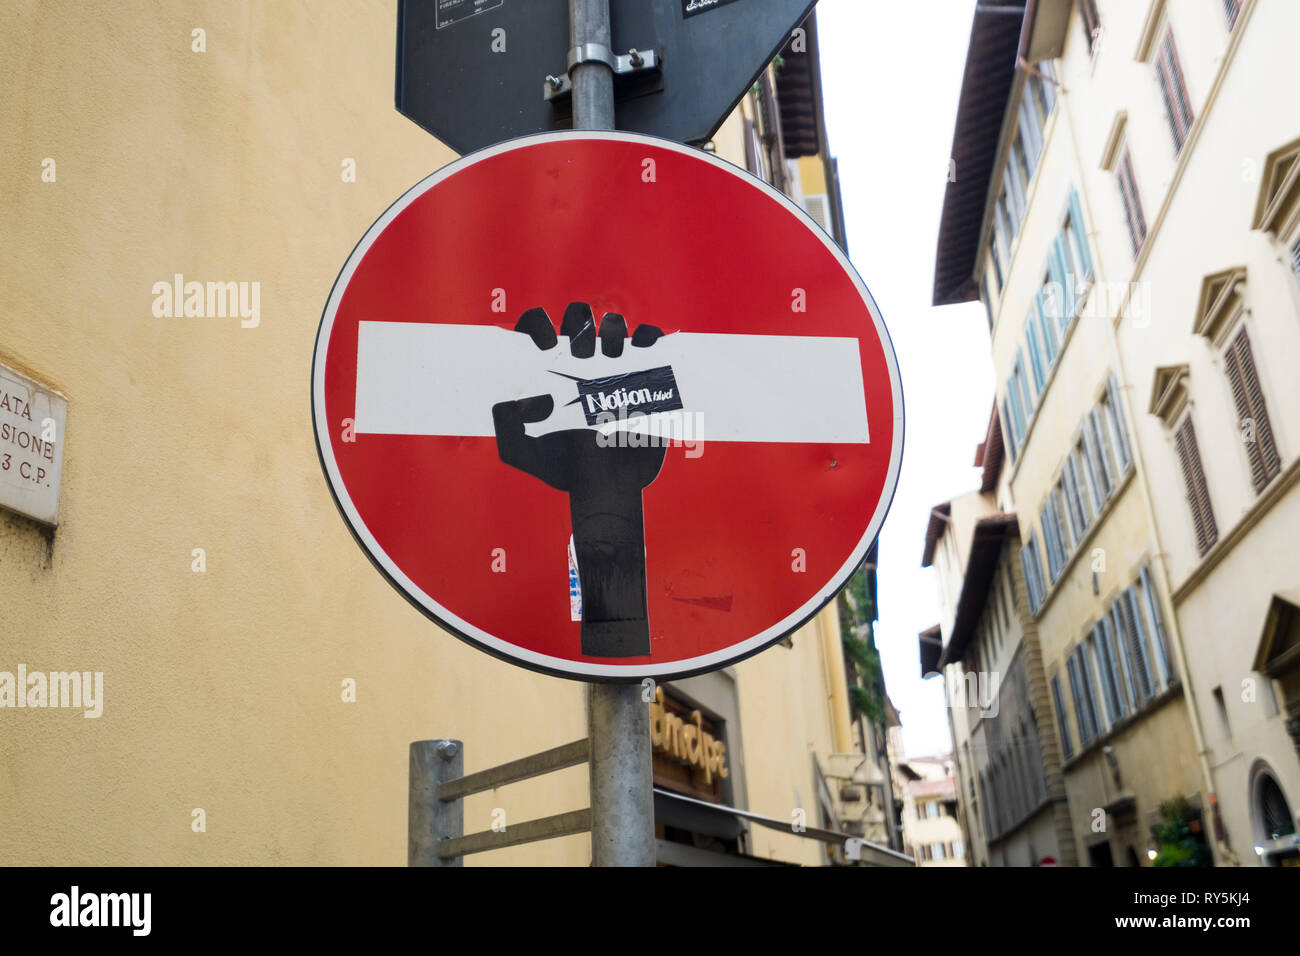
[[1017, 176], [1091, 24], [1111, 687], [1045, 90], [1086, 705], [1198, 494], [1252, 413], [1041, 308], [1008, 429], [1115, 415], [1174, 91], [1062, 722], [1073, 498], [1040, 583], [1048, 546], [1064, 288], [819, 207], [1104, 469], [1105, 707], [1087, 674], [1152, 605], [1130, 627], [1232, 8], [1137, 224], [1049, 301], [1083, 480], [1114, 630], [1018, 411], [1059, 510], [1031, 132], [1036, 364], [1009, 223], [1053, 535], [1032, 565], [1027, 396], [1142, 635], [1077, 693], [1050, 543], [1079, 237]]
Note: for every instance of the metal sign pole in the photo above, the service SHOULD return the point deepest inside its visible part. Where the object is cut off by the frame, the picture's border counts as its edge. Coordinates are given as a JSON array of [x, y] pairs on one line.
[[622, 799]]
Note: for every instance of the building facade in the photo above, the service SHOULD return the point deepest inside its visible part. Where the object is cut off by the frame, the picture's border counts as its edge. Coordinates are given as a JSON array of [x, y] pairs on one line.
[[260, 682], [1127, 217], [1190, 177], [1009, 769], [932, 830]]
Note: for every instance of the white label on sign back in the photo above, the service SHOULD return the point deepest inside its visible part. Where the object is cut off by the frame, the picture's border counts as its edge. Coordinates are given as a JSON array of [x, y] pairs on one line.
[[451, 12], [32, 419]]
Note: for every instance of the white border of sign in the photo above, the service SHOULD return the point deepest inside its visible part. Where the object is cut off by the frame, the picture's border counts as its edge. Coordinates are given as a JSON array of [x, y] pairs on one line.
[[504, 649]]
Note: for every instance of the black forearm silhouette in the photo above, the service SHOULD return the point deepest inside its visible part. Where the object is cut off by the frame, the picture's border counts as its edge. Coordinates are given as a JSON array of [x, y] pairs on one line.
[[603, 480], [604, 485]]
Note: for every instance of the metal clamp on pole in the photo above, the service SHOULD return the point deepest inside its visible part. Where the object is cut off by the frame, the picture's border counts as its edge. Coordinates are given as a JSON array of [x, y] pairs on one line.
[[624, 64]]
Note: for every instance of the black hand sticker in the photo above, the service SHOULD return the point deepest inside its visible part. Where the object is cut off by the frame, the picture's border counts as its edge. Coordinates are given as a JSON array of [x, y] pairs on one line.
[[603, 481]]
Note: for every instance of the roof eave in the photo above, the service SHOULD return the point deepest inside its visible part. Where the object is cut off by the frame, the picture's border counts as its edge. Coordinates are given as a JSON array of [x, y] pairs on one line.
[[987, 85], [1043, 35], [987, 540]]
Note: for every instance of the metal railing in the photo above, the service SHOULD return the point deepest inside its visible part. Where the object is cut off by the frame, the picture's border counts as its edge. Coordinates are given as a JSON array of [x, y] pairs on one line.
[[438, 788]]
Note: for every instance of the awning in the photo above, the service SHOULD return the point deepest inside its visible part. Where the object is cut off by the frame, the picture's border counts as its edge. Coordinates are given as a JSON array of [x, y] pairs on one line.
[[931, 645], [871, 853]]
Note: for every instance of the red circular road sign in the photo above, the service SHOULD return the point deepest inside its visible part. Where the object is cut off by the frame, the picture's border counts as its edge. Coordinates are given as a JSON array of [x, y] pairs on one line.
[[607, 406]]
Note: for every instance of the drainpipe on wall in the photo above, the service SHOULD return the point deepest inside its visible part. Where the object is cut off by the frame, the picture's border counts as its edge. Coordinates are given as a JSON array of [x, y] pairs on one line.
[[828, 622]]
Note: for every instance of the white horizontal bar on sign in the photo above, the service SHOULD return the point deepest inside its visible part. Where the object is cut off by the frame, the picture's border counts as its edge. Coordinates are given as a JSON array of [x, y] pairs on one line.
[[418, 378]]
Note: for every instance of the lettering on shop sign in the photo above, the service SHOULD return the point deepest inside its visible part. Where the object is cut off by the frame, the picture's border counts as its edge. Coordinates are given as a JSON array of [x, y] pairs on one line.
[[686, 741], [32, 419]]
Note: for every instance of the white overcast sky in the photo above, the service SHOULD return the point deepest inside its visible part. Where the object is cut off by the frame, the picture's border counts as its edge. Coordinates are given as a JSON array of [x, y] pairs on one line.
[[891, 74]]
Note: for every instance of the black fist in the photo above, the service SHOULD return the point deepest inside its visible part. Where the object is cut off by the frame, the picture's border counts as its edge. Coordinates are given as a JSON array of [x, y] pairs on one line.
[[603, 479]]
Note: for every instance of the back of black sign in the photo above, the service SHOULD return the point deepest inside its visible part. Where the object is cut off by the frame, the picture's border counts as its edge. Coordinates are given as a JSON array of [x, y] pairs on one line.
[[473, 72]]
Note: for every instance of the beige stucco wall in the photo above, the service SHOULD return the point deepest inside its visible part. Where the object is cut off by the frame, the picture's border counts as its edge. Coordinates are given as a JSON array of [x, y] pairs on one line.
[[1029, 844], [223, 689], [1223, 619], [786, 715], [1155, 766], [952, 551]]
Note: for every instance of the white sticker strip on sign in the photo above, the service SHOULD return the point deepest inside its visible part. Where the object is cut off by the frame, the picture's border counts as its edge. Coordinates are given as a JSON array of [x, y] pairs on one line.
[[419, 378]]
